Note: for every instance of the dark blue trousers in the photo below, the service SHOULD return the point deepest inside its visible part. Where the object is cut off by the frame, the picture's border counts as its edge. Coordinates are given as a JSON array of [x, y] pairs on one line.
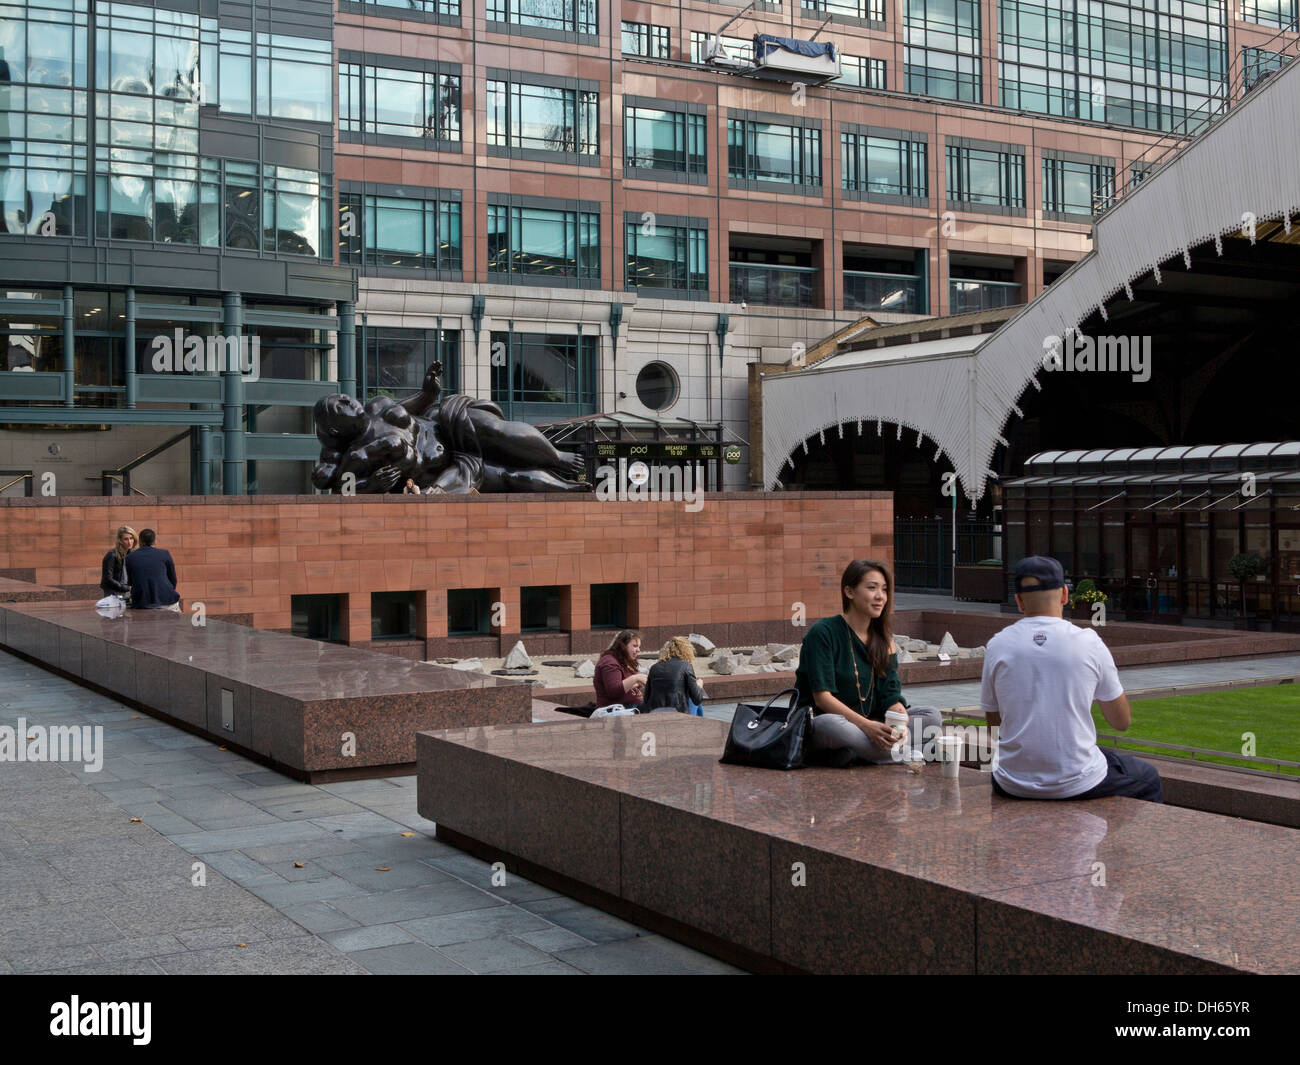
[[1125, 775]]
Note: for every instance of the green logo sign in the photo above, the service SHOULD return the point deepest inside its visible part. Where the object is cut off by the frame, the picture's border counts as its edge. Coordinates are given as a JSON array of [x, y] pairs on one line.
[[732, 455]]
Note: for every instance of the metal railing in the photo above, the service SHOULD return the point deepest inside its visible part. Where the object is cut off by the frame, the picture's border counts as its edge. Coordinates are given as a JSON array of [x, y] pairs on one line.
[[868, 291], [122, 474], [923, 550], [26, 476], [967, 294], [1240, 79], [777, 286]]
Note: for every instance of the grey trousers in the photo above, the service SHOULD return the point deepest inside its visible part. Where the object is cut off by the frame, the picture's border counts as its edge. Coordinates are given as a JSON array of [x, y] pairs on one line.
[[832, 732]]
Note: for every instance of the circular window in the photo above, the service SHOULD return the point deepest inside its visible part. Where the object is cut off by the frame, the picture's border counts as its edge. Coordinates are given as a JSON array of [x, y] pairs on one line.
[[656, 386]]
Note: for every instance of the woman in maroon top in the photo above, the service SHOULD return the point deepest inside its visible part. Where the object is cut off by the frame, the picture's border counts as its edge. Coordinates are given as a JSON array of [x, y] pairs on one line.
[[618, 679]]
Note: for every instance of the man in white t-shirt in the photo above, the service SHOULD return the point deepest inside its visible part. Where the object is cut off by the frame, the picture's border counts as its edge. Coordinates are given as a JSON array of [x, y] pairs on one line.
[[1041, 676]]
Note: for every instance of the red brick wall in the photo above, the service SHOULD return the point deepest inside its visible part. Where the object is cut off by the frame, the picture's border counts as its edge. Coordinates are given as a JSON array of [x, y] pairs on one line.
[[743, 558]]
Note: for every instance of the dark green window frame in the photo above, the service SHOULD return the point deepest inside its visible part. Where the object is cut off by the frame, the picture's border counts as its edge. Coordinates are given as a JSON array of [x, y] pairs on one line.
[[1008, 168], [575, 260], [436, 223], [688, 155], [689, 269], [804, 163]]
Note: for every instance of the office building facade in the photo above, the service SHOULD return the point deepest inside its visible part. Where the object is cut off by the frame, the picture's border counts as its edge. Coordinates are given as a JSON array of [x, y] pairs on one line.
[[558, 199]]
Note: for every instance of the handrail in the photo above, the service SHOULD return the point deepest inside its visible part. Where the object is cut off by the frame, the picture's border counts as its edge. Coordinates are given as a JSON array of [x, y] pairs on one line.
[[122, 474], [26, 476], [1172, 143]]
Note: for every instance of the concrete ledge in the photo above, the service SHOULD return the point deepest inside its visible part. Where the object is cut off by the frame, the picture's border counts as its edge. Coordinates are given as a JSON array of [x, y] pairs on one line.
[[309, 709], [1274, 800], [776, 871]]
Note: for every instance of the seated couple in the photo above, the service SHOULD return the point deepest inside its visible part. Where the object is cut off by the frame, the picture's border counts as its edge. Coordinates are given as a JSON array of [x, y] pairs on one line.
[[670, 683]]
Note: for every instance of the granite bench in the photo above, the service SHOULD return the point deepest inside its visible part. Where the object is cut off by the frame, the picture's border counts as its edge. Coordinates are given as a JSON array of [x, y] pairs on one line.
[[867, 870], [313, 710]]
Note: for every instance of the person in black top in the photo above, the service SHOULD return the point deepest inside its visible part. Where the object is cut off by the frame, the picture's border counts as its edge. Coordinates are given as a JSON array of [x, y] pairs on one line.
[[671, 681], [152, 575], [112, 575]]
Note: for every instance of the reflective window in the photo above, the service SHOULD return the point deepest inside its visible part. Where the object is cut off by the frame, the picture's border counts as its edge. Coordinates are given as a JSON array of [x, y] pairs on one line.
[[140, 50], [1280, 13], [884, 165], [542, 118], [771, 152], [667, 257], [1127, 64], [862, 72], [545, 368], [664, 140], [45, 43], [392, 231], [1258, 63], [397, 360], [652, 42], [532, 241], [294, 205], [384, 101], [43, 174], [983, 176], [294, 78], [572, 16], [866, 10], [395, 8], [941, 56], [1077, 188]]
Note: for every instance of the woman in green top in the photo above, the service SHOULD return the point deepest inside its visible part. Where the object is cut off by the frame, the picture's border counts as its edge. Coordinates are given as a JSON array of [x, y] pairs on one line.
[[848, 670]]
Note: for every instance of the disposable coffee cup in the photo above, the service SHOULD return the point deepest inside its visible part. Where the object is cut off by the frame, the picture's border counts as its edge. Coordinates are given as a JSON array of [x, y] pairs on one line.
[[896, 720], [949, 753]]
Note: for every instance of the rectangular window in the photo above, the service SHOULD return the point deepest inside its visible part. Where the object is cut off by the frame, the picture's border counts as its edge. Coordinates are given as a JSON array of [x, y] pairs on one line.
[[1077, 188], [1138, 173], [987, 177], [555, 372], [469, 611], [404, 8], [399, 232], [295, 203], [650, 42], [1258, 63], [1280, 13], [548, 244], [664, 140], [393, 616], [539, 609], [668, 257], [565, 16], [397, 360], [317, 617], [293, 78], [863, 10], [542, 118], [941, 56], [737, 47], [609, 606], [862, 72], [884, 166], [376, 101], [769, 152]]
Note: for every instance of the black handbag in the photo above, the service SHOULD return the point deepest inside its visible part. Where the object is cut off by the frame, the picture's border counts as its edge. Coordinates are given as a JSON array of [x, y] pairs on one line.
[[770, 737]]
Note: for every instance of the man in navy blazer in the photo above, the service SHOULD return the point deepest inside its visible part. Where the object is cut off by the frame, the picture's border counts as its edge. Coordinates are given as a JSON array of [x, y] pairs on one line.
[[152, 576]]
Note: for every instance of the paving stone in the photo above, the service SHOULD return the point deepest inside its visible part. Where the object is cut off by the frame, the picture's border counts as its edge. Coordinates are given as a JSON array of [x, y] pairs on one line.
[[36, 959], [648, 954], [412, 903], [407, 959], [493, 955], [551, 939], [231, 839], [306, 956], [139, 947], [136, 967], [368, 938], [551, 967], [478, 924], [330, 887], [318, 917], [588, 922]]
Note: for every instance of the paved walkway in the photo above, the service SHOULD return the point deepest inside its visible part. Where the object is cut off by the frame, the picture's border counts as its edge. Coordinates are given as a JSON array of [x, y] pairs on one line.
[[98, 870]]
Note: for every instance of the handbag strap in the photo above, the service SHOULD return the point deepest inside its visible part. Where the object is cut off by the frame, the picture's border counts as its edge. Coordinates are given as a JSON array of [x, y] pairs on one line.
[[853, 657]]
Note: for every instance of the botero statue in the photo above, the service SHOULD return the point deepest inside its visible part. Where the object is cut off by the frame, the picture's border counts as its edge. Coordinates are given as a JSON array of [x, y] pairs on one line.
[[459, 445]]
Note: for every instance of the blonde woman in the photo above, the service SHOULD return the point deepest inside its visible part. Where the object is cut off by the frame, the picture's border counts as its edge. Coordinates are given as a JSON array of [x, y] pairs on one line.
[[112, 574], [671, 681]]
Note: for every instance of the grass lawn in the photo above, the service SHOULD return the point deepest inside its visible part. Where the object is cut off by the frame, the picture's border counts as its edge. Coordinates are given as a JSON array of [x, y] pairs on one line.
[[1214, 721], [1217, 721]]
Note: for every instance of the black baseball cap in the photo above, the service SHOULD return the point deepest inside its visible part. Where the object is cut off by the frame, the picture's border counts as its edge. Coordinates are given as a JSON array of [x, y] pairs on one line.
[[1047, 571]]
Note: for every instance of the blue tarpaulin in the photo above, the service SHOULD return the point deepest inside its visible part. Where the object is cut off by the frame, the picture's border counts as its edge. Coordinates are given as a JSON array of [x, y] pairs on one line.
[[766, 42]]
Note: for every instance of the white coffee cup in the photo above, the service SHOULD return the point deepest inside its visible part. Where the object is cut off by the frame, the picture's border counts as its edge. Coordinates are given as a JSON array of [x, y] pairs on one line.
[[896, 720], [948, 750]]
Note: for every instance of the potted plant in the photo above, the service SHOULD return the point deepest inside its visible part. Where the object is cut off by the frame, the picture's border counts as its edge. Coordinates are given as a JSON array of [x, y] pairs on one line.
[[1244, 567], [1085, 594]]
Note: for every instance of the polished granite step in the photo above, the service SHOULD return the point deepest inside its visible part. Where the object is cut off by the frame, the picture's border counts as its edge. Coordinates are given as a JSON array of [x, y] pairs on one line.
[[865, 870]]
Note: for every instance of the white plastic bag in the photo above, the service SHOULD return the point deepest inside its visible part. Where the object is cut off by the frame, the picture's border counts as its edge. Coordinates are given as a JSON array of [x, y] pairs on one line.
[[111, 606], [613, 710]]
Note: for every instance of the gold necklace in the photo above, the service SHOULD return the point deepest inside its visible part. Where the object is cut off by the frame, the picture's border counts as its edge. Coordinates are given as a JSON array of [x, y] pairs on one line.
[[857, 681]]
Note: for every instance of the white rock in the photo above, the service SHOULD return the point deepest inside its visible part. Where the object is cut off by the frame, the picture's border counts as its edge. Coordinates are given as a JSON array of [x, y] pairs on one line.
[[977, 652], [701, 644], [904, 655], [917, 646], [931, 648], [517, 658], [586, 669], [901, 640], [770, 668], [760, 657], [787, 653], [962, 652], [947, 646], [469, 665]]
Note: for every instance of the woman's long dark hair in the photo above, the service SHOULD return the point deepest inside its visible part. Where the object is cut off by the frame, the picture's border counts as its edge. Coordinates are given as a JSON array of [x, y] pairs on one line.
[[881, 630], [619, 649]]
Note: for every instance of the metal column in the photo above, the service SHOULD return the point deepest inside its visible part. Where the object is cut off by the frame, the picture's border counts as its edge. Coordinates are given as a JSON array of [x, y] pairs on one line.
[[131, 386], [69, 341], [347, 345], [232, 403]]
